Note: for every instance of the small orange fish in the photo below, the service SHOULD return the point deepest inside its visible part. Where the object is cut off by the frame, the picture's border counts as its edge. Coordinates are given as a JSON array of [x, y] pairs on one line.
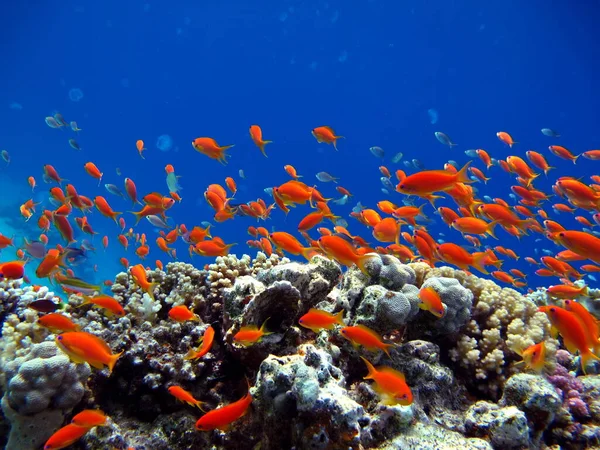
[[317, 320], [362, 335], [89, 418], [506, 138], [326, 135], [65, 436], [431, 301], [390, 384], [182, 313], [291, 171], [209, 147], [563, 153], [139, 144], [138, 272], [108, 304], [93, 171], [184, 396], [256, 135], [344, 253], [105, 209], [222, 418], [565, 291], [534, 356], [57, 323], [207, 341], [31, 182], [85, 347], [251, 334]]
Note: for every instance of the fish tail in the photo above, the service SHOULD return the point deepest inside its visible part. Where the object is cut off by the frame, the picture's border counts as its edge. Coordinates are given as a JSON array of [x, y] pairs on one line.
[[478, 262], [137, 215], [339, 319], [262, 147], [490, 228], [263, 327], [370, 368], [113, 360], [309, 252], [191, 354], [198, 404], [575, 158], [586, 357], [362, 260], [462, 176]]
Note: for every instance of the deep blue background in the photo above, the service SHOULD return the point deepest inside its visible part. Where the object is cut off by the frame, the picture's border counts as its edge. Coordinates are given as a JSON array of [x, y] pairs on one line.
[[369, 69]]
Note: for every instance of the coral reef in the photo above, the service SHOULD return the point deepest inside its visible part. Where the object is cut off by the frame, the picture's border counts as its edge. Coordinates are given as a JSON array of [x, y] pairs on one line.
[[308, 388]]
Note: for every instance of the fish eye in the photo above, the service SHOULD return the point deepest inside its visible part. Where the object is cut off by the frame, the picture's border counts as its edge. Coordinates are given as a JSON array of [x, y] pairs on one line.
[[552, 309], [401, 186], [300, 321], [562, 234], [59, 338]]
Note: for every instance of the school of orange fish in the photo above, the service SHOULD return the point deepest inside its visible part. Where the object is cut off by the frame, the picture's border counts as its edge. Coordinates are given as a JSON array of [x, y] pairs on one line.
[[471, 216]]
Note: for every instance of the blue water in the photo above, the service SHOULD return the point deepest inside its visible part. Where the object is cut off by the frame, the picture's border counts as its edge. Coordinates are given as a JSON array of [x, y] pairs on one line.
[[369, 69]]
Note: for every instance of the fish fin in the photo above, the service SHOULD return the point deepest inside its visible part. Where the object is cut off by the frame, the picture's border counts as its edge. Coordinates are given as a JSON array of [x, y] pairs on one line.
[[362, 260], [309, 252], [586, 357], [191, 354], [263, 328], [370, 368], [113, 360], [462, 176], [478, 262], [490, 229], [339, 318], [570, 346]]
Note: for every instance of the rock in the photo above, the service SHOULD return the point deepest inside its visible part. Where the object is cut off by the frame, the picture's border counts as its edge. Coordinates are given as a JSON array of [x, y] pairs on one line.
[[389, 272], [536, 397], [301, 403], [427, 437], [506, 428], [385, 311], [458, 302]]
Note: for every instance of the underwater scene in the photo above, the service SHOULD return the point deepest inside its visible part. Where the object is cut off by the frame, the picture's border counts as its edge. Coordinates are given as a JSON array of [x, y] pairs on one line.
[[299, 224]]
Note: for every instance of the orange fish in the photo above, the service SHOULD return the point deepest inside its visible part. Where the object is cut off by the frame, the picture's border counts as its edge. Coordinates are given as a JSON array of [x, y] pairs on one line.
[[85, 347], [506, 138], [563, 153], [431, 301], [131, 190], [538, 160], [573, 332], [12, 270], [565, 291], [57, 323], [214, 247], [390, 384], [326, 135], [89, 418], [581, 243], [290, 244], [344, 253], [50, 264], [256, 135], [65, 436], [362, 335], [251, 334], [317, 320], [138, 272], [458, 256], [207, 341], [139, 144], [473, 225], [108, 304], [291, 171], [105, 209], [93, 171], [485, 157], [534, 356], [184, 396], [222, 418], [427, 182], [589, 321], [209, 147], [31, 182], [182, 313]]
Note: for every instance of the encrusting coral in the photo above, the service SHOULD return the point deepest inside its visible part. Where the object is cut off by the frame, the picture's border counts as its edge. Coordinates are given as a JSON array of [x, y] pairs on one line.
[[308, 387]]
